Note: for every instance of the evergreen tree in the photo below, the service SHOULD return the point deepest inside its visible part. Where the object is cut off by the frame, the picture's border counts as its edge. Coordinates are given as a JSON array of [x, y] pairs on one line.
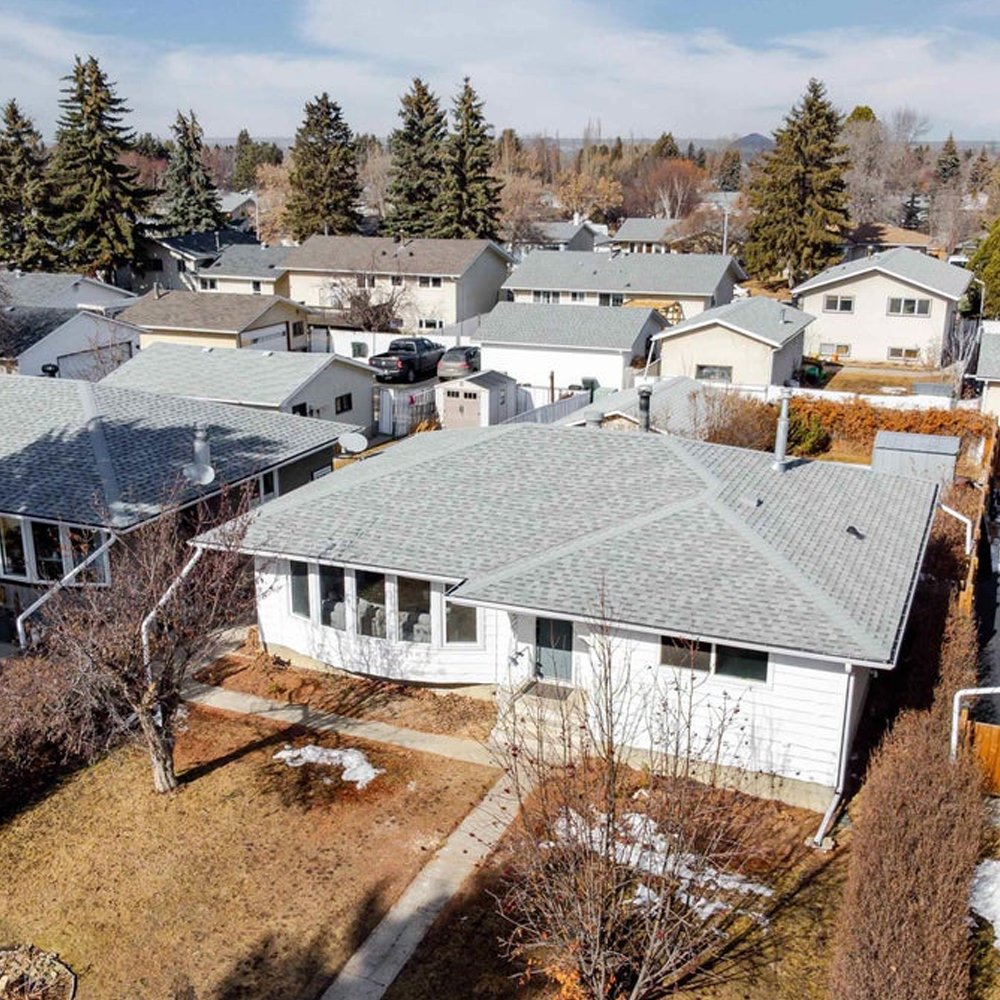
[[730, 174], [665, 148], [985, 264], [100, 202], [248, 156], [469, 207], [690, 154], [949, 163], [324, 187], [980, 171], [417, 164], [701, 160], [617, 150], [798, 193], [192, 201], [24, 194], [861, 113]]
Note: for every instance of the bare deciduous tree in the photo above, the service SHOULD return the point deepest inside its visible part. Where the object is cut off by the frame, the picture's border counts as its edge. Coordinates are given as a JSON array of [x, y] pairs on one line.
[[375, 173], [364, 306]]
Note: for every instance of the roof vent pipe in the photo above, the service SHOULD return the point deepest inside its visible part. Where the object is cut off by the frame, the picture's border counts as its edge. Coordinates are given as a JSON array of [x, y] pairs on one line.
[[781, 438], [644, 393], [200, 471], [593, 419]]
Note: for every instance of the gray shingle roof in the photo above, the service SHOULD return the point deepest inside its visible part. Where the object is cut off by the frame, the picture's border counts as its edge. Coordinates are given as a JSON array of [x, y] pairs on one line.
[[989, 352], [639, 230], [908, 265], [205, 244], [38, 288], [560, 232], [48, 467], [630, 274], [925, 444], [383, 255], [250, 377], [220, 312], [676, 406], [255, 262], [763, 318], [670, 534], [22, 327], [564, 326]]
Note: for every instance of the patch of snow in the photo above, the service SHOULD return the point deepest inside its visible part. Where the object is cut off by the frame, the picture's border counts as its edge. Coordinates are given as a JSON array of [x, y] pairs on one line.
[[985, 895], [354, 762]]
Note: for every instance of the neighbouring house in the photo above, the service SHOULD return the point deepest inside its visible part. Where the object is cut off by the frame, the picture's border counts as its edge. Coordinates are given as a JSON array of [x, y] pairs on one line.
[[642, 235], [324, 386], [251, 269], [752, 341], [899, 305], [679, 285], [81, 461], [481, 400], [220, 319], [877, 237], [78, 343], [59, 290], [677, 405], [430, 283], [558, 345], [919, 456], [240, 207], [716, 578], [988, 367], [561, 236], [173, 262]]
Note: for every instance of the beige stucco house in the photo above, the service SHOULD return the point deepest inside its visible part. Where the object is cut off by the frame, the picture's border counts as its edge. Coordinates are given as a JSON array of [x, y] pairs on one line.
[[754, 341], [898, 306], [217, 319], [253, 269], [436, 282]]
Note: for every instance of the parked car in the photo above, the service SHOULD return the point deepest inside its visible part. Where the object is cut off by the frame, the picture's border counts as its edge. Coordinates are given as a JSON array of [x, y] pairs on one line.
[[457, 362], [407, 359]]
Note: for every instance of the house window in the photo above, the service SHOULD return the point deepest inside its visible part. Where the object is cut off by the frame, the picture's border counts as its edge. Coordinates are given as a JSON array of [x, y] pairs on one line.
[[298, 328], [676, 652], [414, 615], [838, 304], [427, 281], [371, 603], [577, 296], [909, 307], [207, 284], [840, 350], [48, 551], [396, 280], [358, 349], [12, 547], [714, 373], [453, 393], [300, 410], [255, 287], [430, 324], [749, 664], [366, 281], [267, 490], [299, 572], [83, 543], [152, 264], [545, 297], [460, 623], [332, 595], [342, 404], [610, 299], [904, 353]]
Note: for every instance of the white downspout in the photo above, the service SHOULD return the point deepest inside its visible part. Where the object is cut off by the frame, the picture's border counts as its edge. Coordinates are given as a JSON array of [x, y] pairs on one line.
[[845, 746], [22, 636], [966, 522], [956, 708], [167, 594]]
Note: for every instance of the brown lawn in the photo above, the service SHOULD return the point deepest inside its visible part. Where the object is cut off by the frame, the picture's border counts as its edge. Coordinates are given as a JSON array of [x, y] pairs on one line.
[[253, 881], [407, 705], [873, 379]]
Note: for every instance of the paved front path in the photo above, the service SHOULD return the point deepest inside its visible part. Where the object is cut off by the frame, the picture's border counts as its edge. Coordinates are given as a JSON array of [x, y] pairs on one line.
[[372, 968]]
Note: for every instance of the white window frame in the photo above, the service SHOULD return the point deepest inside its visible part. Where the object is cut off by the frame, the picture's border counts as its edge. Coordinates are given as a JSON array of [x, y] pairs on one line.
[[712, 670], [903, 354], [841, 301], [706, 378], [101, 565], [902, 300], [833, 349]]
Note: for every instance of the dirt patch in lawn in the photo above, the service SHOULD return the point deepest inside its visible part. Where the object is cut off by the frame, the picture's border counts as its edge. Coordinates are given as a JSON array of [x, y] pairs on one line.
[[254, 881], [404, 705]]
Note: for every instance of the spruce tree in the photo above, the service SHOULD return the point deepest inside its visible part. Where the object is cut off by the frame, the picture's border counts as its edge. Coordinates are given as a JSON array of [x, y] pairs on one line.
[[730, 173], [100, 203], [192, 201], [469, 207], [949, 163], [417, 149], [24, 194], [985, 264], [665, 148], [323, 182], [248, 156], [798, 193]]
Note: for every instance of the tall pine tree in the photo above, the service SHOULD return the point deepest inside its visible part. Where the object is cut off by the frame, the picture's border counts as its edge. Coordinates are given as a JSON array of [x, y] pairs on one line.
[[730, 170], [949, 163], [469, 207], [985, 264], [324, 187], [24, 194], [798, 194], [100, 203], [191, 200], [248, 156], [418, 169]]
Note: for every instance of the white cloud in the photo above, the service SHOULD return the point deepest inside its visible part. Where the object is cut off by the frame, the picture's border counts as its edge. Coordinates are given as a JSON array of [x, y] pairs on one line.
[[540, 65]]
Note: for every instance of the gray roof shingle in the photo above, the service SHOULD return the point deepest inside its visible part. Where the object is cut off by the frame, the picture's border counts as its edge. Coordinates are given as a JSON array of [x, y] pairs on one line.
[[22, 327], [674, 535], [908, 265], [256, 262], [640, 230], [48, 467], [763, 318], [676, 406], [39, 288], [564, 326], [205, 244], [250, 377], [988, 366], [630, 274], [219, 312]]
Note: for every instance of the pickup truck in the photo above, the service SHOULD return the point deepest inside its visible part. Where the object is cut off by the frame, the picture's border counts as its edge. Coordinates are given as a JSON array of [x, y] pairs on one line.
[[407, 359]]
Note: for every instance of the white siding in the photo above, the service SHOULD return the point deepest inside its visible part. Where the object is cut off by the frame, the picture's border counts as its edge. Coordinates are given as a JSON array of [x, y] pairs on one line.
[[338, 379], [86, 346], [752, 361], [532, 365], [691, 305]]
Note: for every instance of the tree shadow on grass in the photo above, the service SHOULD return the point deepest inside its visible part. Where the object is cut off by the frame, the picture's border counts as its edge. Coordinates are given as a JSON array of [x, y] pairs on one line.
[[280, 737]]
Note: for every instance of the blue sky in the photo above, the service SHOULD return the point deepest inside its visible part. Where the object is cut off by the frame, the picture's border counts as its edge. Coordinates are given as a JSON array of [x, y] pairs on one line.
[[638, 67]]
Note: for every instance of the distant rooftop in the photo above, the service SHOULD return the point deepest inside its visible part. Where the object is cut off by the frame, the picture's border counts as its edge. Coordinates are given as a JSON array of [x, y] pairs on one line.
[[205, 244], [213, 312], [22, 327], [39, 288], [759, 317], [565, 326], [639, 230], [256, 261]]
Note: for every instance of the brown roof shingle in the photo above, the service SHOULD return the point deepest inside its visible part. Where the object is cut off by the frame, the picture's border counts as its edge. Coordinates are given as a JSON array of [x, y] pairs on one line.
[[221, 312]]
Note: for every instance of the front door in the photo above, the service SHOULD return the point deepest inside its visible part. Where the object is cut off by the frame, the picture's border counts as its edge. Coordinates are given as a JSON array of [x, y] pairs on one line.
[[554, 650]]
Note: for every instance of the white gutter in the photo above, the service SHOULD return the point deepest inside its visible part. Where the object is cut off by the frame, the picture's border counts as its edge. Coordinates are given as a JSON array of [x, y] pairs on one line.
[[965, 521], [845, 740], [956, 707], [22, 637], [167, 594]]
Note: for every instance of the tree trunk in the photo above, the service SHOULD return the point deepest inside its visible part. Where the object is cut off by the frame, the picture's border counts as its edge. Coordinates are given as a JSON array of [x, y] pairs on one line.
[[160, 744]]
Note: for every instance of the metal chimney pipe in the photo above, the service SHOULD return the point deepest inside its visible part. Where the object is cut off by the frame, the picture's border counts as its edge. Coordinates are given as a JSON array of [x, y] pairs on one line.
[[644, 394], [593, 419], [781, 438]]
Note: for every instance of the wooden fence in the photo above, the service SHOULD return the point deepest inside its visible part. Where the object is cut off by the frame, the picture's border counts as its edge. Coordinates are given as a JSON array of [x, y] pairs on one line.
[[985, 738]]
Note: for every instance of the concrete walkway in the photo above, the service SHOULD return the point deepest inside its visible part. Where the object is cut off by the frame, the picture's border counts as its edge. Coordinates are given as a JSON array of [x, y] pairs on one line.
[[373, 967]]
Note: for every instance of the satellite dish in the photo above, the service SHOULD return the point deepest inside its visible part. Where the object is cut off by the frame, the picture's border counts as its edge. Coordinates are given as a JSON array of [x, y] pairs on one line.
[[353, 442]]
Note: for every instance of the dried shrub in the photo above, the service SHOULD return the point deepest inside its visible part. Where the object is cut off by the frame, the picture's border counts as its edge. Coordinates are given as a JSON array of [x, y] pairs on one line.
[[729, 418], [806, 435]]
